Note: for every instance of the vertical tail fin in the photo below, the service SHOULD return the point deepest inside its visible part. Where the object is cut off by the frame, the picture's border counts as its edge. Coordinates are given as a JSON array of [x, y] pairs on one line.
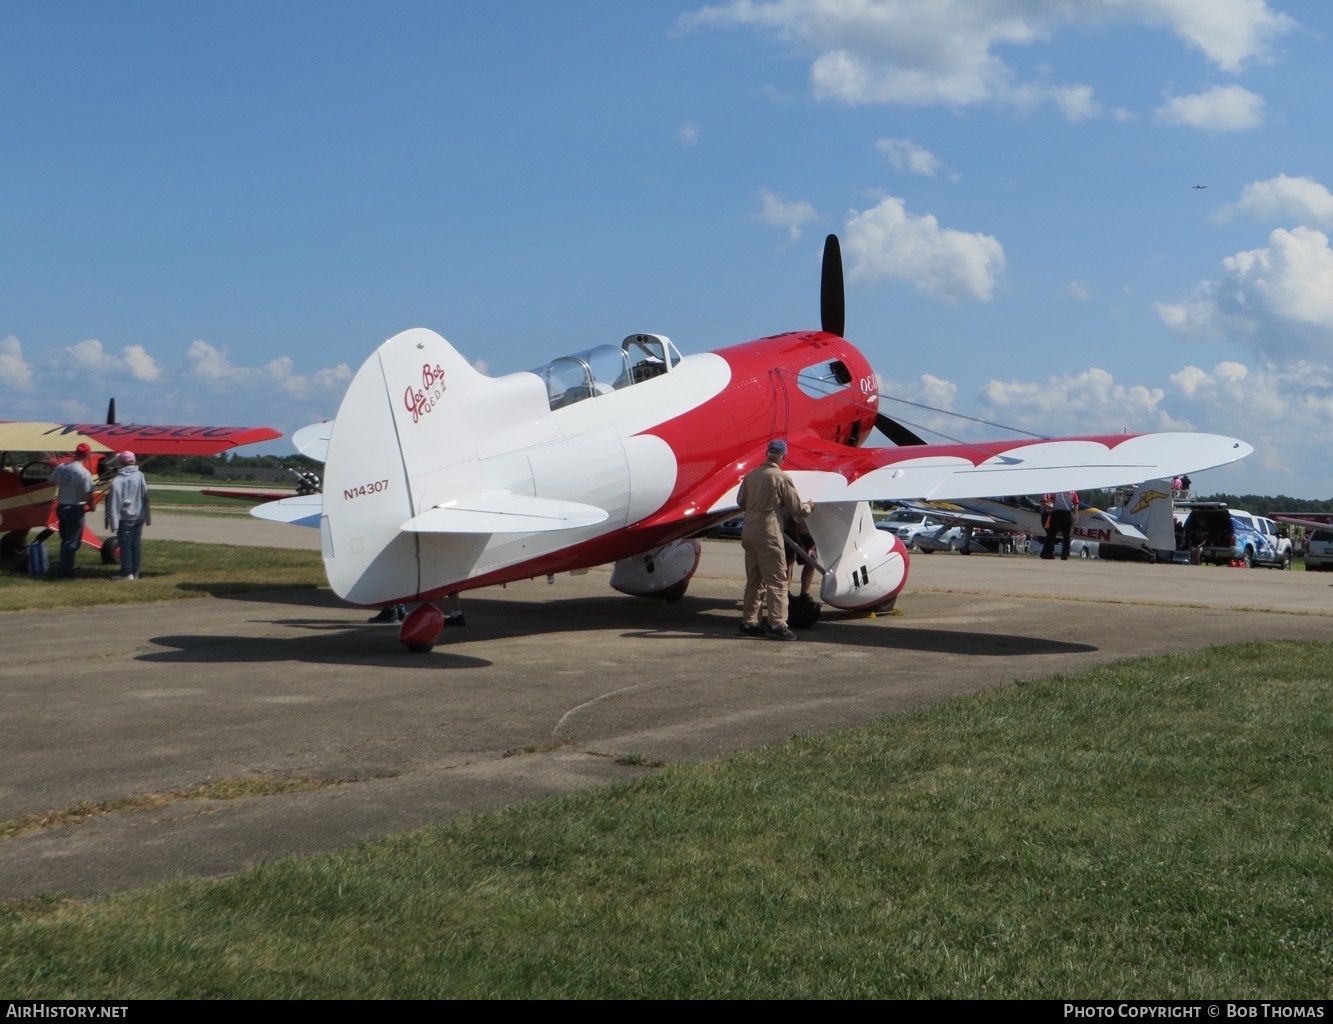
[[398, 409], [1151, 509]]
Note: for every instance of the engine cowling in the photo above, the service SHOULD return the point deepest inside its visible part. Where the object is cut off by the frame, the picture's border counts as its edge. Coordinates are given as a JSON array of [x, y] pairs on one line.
[[665, 572], [867, 567]]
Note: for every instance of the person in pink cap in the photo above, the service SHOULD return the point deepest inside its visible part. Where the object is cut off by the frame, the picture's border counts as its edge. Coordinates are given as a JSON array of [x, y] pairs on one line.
[[127, 512]]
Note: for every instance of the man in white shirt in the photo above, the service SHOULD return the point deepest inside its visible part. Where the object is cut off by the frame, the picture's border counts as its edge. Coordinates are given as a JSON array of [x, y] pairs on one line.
[[74, 495]]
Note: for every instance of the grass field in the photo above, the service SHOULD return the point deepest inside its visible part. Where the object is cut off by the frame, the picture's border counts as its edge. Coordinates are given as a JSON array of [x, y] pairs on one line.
[[173, 570], [1154, 829]]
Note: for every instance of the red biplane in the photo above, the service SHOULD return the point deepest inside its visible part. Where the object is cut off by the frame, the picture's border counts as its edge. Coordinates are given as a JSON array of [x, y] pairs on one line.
[[27, 497]]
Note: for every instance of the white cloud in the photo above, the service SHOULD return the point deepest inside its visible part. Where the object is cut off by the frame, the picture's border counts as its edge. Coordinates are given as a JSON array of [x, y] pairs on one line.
[[1278, 300], [1077, 291], [142, 365], [887, 242], [782, 213], [298, 385], [15, 372], [906, 155], [1223, 108], [1300, 200], [688, 133], [74, 411], [1074, 101], [91, 358], [1090, 402], [210, 363], [1230, 33], [927, 52], [1286, 412]]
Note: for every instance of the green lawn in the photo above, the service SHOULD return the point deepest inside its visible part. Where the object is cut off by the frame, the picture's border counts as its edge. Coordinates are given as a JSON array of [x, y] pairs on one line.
[[1154, 829], [172, 570]]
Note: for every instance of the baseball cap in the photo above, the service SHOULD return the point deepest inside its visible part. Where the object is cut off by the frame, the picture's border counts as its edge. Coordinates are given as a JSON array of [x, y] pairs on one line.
[[82, 449], [126, 458], [777, 447]]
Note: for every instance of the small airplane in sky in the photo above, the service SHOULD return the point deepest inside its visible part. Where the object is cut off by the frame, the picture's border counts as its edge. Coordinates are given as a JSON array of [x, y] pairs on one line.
[[439, 478], [28, 498], [1200, 186]]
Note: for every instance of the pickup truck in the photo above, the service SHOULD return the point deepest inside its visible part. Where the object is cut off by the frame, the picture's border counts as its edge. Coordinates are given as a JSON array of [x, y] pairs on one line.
[[1225, 535], [908, 524]]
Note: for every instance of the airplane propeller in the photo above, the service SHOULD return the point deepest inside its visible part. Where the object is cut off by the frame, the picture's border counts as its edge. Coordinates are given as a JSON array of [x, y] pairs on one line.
[[832, 303], [833, 320], [896, 432]]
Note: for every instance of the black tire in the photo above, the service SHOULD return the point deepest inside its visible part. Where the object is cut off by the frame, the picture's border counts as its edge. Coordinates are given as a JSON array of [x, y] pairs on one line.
[[1247, 559], [1085, 553], [110, 551], [1286, 561], [420, 648], [802, 612]]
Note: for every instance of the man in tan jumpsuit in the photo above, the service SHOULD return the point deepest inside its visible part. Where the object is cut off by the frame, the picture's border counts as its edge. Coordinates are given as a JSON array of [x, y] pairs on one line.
[[767, 496]]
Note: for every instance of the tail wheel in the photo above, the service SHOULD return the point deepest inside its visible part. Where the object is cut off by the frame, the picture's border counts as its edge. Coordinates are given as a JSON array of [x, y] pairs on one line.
[[421, 628], [110, 551]]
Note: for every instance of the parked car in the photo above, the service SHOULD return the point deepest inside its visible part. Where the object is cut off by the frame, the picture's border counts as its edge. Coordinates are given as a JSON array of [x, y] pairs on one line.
[[728, 527], [1077, 548], [907, 525], [1319, 549]]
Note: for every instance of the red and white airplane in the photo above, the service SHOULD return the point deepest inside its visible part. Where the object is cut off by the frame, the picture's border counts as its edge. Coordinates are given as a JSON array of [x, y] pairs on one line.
[[28, 498], [439, 478]]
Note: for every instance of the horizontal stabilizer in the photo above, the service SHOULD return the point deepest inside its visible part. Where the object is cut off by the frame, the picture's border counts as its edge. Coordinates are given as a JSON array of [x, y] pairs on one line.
[[313, 441], [301, 510], [505, 512]]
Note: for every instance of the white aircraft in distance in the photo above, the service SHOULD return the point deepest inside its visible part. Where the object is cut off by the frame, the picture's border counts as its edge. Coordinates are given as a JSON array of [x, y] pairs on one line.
[[1142, 530], [439, 478]]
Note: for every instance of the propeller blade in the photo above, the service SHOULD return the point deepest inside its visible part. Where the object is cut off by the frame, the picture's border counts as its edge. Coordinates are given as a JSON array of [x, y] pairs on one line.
[[111, 413], [832, 304], [896, 432]]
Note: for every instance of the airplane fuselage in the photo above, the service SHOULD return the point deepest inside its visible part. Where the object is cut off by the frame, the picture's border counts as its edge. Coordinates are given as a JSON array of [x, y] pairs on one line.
[[659, 455]]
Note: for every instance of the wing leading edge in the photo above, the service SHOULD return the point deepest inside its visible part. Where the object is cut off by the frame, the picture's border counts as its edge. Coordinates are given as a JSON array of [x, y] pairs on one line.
[[146, 439], [825, 472]]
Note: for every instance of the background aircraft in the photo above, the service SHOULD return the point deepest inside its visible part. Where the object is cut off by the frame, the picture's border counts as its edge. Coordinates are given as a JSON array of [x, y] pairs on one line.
[[307, 482], [30, 451], [1143, 529], [439, 478]]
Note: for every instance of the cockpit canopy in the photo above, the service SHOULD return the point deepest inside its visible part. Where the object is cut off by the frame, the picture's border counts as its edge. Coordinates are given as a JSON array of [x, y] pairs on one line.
[[607, 368]]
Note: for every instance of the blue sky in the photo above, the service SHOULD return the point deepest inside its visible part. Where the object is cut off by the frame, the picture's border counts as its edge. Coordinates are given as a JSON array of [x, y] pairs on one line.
[[215, 211]]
